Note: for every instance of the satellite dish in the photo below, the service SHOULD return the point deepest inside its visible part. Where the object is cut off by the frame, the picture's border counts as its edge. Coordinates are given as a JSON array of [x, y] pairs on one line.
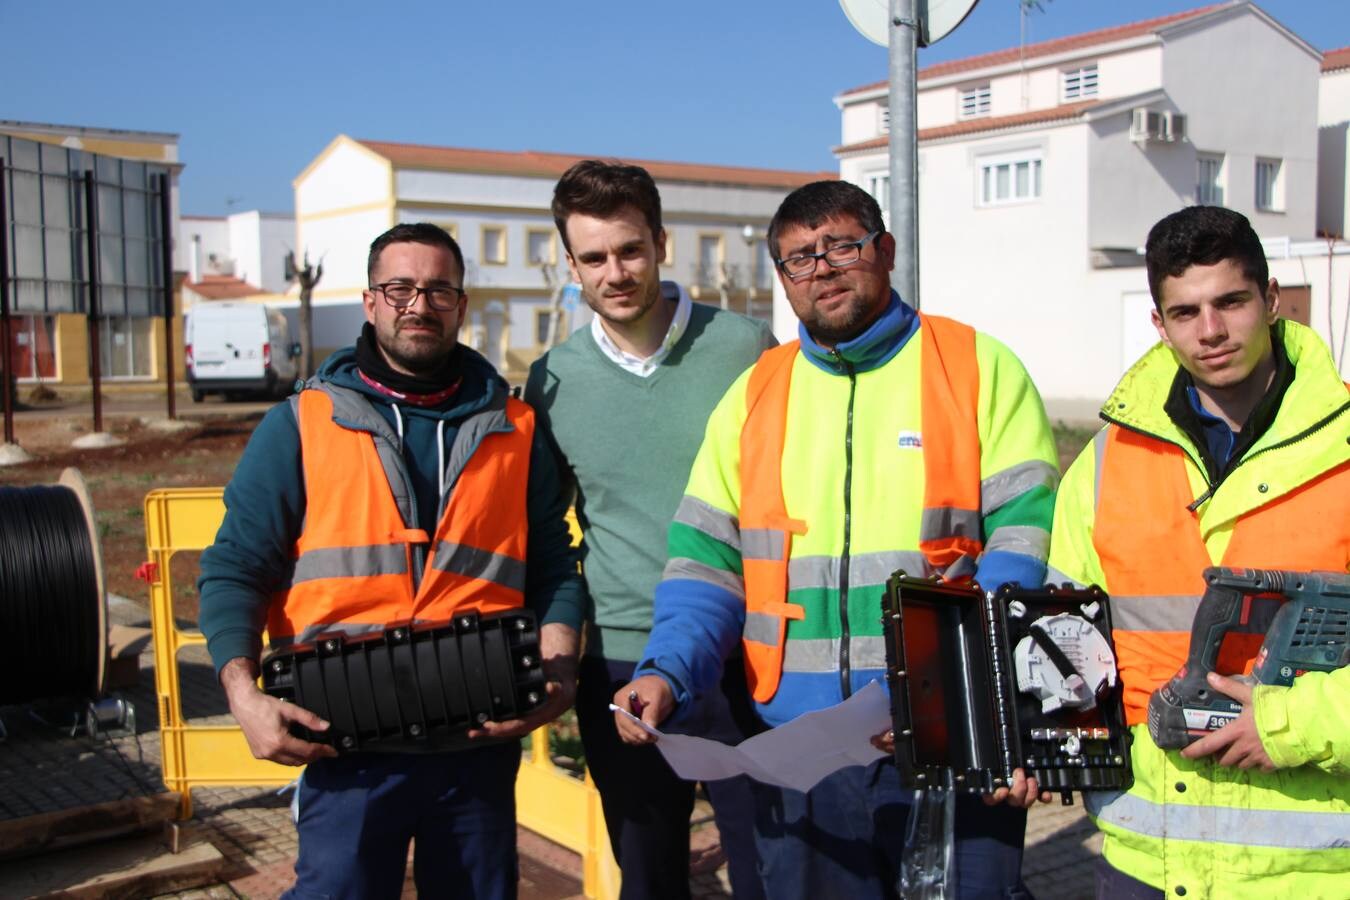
[[937, 18]]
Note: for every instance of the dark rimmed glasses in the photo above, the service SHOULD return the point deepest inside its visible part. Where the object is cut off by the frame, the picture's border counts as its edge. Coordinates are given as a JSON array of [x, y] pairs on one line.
[[401, 295], [840, 255]]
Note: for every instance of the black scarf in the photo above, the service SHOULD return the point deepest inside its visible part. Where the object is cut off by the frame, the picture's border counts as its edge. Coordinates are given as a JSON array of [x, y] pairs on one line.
[[372, 364]]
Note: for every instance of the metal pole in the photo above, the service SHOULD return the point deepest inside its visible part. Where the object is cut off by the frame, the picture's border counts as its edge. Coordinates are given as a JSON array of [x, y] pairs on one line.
[[92, 283], [166, 268], [6, 351], [904, 148]]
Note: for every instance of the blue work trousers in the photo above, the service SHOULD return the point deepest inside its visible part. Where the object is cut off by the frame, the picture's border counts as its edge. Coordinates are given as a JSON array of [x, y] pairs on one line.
[[356, 815], [845, 838]]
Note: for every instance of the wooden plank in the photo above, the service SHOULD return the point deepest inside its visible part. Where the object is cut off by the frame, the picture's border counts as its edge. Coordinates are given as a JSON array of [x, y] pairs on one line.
[[133, 867], [83, 824]]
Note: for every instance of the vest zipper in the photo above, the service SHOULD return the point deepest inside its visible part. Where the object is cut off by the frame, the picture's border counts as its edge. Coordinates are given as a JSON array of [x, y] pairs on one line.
[[844, 669]]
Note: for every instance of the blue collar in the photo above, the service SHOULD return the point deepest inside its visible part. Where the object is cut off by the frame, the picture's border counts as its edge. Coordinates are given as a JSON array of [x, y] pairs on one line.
[[870, 350], [1218, 435]]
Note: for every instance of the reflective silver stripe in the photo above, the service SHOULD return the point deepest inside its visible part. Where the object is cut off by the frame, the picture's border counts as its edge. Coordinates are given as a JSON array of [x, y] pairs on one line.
[[1177, 612], [310, 632], [964, 567], [1015, 481], [351, 562], [1025, 539], [863, 569], [1098, 454], [947, 521], [761, 628], [471, 562], [761, 543], [710, 520], [822, 654], [1056, 577], [1285, 829], [683, 567]]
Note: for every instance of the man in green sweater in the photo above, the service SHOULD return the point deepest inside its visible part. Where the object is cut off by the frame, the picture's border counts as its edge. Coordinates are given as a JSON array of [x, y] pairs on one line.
[[626, 401]]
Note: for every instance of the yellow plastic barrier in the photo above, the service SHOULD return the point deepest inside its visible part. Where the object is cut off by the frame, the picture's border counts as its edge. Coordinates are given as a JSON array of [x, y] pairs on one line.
[[549, 801]]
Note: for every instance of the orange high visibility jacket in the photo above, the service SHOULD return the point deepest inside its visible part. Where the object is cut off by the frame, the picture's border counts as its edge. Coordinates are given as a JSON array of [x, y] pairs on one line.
[[1152, 555], [950, 534], [359, 567]]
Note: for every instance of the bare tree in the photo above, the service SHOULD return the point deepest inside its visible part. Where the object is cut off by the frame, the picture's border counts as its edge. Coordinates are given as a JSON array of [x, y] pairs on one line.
[[307, 276], [556, 281]]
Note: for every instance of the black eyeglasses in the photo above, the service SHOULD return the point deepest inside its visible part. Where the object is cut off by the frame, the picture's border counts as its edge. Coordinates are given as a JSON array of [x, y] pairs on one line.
[[401, 295], [838, 256]]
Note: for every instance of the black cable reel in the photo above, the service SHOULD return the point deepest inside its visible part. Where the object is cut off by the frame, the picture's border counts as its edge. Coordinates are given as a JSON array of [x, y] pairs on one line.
[[53, 603]]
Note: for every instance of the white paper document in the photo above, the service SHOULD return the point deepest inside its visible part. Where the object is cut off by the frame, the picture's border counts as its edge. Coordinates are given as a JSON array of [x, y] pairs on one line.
[[796, 755]]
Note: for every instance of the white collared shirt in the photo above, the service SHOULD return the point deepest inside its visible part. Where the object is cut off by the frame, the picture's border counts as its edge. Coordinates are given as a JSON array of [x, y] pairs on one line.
[[636, 364]]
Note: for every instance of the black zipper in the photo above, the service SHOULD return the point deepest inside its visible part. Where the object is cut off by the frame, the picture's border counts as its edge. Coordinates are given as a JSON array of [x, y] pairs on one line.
[[844, 674]]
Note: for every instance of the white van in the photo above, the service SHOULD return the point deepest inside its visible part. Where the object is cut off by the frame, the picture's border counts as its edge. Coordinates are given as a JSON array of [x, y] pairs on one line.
[[239, 348]]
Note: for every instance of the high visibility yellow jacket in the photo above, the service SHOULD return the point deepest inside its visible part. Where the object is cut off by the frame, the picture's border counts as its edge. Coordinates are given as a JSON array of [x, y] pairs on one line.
[[1193, 828]]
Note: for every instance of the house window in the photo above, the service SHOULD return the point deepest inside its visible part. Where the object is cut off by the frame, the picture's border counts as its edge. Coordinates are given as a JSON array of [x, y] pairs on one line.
[[975, 101], [494, 245], [1209, 179], [878, 184], [1269, 187], [1010, 179], [763, 266], [709, 260], [883, 120], [124, 347], [540, 247], [1080, 82], [541, 319], [32, 347]]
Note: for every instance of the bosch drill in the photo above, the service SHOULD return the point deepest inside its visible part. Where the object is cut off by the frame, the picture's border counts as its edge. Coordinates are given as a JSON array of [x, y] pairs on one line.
[[1308, 633]]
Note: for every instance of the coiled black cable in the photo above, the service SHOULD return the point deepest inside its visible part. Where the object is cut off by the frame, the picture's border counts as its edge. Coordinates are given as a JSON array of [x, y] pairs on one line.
[[50, 608]]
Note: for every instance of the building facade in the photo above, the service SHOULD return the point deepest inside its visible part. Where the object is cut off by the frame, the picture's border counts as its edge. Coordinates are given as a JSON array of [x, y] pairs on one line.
[[497, 206], [1042, 169]]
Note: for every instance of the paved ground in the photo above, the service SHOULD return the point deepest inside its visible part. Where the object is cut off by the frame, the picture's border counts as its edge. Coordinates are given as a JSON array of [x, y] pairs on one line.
[[43, 768]]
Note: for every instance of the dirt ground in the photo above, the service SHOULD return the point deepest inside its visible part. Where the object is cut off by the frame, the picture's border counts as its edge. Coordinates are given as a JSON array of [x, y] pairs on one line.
[[203, 455]]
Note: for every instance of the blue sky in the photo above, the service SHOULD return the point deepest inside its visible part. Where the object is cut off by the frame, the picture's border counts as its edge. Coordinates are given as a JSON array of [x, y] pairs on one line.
[[257, 89]]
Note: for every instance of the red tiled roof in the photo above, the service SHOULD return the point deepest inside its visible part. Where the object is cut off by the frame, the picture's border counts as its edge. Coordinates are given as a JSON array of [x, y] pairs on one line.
[[222, 287], [1051, 47], [1336, 59], [551, 165], [974, 126]]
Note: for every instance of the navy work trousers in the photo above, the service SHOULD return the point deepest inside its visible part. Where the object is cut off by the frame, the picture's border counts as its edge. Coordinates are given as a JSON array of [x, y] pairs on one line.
[[357, 813], [845, 837], [647, 807]]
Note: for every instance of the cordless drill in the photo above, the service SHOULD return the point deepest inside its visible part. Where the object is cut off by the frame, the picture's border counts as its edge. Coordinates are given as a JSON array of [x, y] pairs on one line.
[[1308, 633]]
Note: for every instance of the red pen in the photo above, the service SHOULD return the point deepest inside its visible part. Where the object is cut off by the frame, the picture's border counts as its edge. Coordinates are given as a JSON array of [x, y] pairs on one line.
[[635, 705]]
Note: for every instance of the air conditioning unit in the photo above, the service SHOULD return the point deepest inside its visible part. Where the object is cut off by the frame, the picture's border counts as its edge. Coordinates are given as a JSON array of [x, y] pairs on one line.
[[1146, 125], [1174, 126]]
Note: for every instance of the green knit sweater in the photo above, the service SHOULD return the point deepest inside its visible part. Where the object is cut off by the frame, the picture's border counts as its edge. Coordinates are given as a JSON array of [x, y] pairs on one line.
[[627, 444]]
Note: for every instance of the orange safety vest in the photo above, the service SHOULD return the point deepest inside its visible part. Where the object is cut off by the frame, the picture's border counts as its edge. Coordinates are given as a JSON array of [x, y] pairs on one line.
[[355, 556], [1152, 555], [951, 533]]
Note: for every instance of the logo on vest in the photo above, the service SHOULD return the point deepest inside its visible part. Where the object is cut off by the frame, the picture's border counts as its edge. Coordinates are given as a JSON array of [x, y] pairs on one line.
[[910, 440]]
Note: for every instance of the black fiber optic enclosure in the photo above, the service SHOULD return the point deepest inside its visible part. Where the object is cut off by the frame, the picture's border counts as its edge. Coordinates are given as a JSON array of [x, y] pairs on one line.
[[412, 688]]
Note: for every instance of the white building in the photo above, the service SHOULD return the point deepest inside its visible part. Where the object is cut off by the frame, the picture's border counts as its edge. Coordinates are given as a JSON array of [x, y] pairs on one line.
[[1333, 150], [497, 206], [1042, 170], [248, 246]]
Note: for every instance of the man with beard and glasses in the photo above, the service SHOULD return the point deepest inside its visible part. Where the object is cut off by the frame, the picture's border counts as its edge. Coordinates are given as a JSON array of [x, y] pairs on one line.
[[625, 402], [406, 442], [882, 440]]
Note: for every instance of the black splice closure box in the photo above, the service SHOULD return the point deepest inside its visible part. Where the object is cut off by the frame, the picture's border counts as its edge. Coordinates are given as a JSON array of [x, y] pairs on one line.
[[983, 684], [413, 687]]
